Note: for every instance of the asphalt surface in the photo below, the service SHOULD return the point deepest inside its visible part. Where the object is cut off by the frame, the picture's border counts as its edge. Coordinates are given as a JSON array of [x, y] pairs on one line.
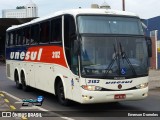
[[110, 111]]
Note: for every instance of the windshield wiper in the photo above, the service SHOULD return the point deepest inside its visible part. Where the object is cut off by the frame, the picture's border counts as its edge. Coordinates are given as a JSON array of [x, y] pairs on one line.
[[113, 60], [124, 56]]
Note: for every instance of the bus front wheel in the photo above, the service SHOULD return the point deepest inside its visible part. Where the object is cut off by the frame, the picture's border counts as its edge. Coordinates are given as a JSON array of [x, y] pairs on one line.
[[61, 95]]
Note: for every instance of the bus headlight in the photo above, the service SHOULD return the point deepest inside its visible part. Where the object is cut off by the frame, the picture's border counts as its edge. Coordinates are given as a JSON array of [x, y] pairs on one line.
[[91, 87], [141, 86]]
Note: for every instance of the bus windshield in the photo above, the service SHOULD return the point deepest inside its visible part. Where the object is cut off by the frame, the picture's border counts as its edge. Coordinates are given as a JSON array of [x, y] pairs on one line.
[[114, 56], [112, 47], [109, 25]]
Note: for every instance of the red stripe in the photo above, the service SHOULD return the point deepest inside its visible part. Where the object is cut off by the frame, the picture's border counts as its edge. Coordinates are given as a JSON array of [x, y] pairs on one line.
[[46, 54]]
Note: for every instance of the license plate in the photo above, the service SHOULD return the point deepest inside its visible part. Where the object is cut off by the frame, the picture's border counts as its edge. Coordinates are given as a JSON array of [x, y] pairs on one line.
[[120, 96]]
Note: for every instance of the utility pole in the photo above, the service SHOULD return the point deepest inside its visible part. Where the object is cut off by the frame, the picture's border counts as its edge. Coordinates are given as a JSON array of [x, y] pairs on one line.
[[123, 5]]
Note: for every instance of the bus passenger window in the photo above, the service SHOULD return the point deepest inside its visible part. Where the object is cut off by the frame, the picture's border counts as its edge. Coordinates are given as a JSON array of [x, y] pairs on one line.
[[8, 39], [19, 37], [34, 34], [12, 39], [16, 37], [44, 32], [26, 37], [56, 30], [23, 37]]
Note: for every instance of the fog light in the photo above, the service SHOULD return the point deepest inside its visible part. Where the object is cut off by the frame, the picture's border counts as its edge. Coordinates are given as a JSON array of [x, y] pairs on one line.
[[86, 97], [145, 94]]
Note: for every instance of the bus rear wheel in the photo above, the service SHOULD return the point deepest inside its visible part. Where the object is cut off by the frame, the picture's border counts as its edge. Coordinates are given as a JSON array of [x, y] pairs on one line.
[[61, 95], [24, 86], [16, 78]]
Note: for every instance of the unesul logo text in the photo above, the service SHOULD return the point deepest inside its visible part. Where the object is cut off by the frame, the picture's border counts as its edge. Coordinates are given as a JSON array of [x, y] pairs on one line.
[[119, 82], [34, 55]]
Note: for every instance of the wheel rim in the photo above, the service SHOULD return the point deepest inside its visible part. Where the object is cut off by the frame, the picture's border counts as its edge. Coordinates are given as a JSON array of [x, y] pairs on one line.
[[23, 82], [17, 80], [61, 92]]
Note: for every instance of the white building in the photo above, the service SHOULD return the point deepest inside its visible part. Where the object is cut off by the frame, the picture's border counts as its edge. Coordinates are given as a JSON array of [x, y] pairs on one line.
[[103, 6], [30, 10]]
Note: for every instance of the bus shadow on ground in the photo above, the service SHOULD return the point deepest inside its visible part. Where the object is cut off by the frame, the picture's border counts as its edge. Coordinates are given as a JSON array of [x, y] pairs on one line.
[[86, 110], [99, 110]]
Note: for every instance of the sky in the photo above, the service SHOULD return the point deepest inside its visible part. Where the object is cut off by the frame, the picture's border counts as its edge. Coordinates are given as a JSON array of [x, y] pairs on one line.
[[144, 8]]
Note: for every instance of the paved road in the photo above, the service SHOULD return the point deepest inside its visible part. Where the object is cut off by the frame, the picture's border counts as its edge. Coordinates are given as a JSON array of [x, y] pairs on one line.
[[152, 103]]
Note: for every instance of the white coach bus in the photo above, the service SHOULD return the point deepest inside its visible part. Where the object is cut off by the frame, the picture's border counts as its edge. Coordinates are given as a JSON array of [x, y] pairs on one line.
[[83, 55]]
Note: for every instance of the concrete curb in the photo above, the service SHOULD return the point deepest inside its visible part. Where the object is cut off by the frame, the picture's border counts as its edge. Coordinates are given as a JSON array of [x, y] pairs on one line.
[[154, 78]]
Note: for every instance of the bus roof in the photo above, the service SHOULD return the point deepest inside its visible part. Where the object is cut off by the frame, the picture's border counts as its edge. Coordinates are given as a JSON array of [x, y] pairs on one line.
[[76, 12]]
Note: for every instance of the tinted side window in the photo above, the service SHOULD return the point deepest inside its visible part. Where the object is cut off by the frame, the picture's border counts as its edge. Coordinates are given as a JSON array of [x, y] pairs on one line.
[[34, 34], [56, 30], [44, 32], [8, 39], [19, 37], [26, 36], [16, 37], [12, 38]]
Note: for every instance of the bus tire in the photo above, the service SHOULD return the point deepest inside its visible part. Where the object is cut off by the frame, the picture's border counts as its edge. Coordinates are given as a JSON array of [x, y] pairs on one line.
[[16, 79], [61, 95], [23, 81]]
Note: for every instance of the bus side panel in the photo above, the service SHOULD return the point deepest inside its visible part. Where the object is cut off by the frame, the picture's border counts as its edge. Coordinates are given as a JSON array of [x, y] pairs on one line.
[[29, 73], [11, 66], [9, 71], [70, 81], [44, 77], [66, 78], [76, 88]]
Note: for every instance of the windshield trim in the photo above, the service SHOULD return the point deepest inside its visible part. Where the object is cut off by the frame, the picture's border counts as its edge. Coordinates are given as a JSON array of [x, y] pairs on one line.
[[110, 35]]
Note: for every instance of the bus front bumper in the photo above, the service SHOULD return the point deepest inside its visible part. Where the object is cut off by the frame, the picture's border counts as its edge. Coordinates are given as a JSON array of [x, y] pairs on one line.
[[109, 96]]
